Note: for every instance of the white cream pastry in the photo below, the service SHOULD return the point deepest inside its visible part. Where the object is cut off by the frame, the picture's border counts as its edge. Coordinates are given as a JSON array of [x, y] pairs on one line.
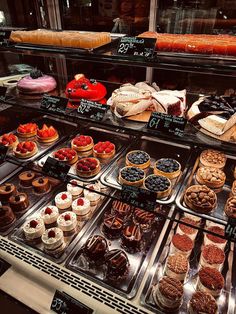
[[49, 214], [63, 200], [93, 197], [74, 189], [34, 228], [67, 222], [81, 207], [53, 240]]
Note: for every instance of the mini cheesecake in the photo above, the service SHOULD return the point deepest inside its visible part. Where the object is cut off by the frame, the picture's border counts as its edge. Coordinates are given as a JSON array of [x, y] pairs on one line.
[[49, 214], [132, 238], [73, 188], [9, 140], [7, 217], [104, 150], [112, 226], [138, 159], [182, 244], [117, 264], [67, 222], [33, 229], [95, 248], [212, 158], [167, 167], [41, 185], [19, 202], [131, 176], [230, 207], [233, 189], [25, 150], [213, 178], [191, 232], [212, 256], [81, 207], [27, 130], [213, 239], [210, 280], [67, 155], [82, 143], [91, 194], [6, 191], [47, 134], [26, 178], [159, 184], [53, 241], [177, 266], [63, 200], [88, 167], [202, 303], [143, 218]]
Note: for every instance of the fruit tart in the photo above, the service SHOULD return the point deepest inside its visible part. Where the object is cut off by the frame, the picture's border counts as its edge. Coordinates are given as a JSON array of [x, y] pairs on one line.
[[138, 158], [88, 167], [25, 149], [159, 184], [167, 167], [104, 150], [9, 140], [47, 134], [27, 130], [67, 155], [82, 143], [131, 176]]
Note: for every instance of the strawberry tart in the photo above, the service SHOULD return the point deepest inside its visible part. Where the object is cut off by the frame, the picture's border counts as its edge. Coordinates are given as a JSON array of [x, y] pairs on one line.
[[63, 200], [33, 229], [27, 130], [104, 150], [88, 167], [67, 222], [53, 240], [82, 143], [81, 207], [67, 155], [49, 214], [9, 140], [47, 134], [25, 149]]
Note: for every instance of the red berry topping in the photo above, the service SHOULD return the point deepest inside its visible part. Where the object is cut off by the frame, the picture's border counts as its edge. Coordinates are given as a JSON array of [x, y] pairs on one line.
[[51, 234], [87, 164], [33, 224], [74, 182], [80, 202], [67, 217], [48, 211], [8, 139], [104, 147], [64, 197], [46, 131], [82, 140], [27, 128], [65, 154]]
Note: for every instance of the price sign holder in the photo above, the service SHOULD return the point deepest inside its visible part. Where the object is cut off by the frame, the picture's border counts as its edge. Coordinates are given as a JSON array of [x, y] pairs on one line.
[[92, 109], [138, 197], [3, 152], [63, 303], [167, 123], [137, 46], [54, 104], [230, 229], [56, 168]]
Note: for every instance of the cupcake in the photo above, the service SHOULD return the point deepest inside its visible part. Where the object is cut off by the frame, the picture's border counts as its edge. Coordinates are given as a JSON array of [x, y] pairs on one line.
[[33, 229], [91, 194], [53, 241], [49, 214], [67, 222], [63, 200], [81, 207], [73, 188]]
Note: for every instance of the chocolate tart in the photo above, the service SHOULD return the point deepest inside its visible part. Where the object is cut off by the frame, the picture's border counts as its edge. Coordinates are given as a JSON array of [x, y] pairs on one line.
[[82, 143], [7, 217], [158, 184], [22, 152], [230, 207], [104, 150], [144, 218], [26, 178], [131, 176], [138, 158], [112, 226], [41, 185], [6, 191], [121, 209], [19, 202], [117, 264], [202, 302], [66, 155], [212, 158], [200, 198], [132, 238], [95, 248], [167, 167], [214, 178], [88, 167], [9, 140]]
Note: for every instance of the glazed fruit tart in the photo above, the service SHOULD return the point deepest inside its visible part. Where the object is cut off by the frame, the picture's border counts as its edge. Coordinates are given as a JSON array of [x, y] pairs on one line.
[[104, 150], [159, 184], [47, 134], [131, 176], [67, 155], [82, 143], [88, 167], [214, 178], [9, 140], [25, 149], [27, 130], [138, 158], [167, 167]]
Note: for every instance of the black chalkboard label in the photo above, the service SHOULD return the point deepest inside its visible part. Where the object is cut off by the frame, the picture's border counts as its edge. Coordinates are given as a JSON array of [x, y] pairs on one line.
[[3, 90], [56, 168], [3, 152], [167, 123], [137, 46], [54, 104], [4, 36], [4, 266], [63, 303], [138, 197], [230, 229], [91, 109]]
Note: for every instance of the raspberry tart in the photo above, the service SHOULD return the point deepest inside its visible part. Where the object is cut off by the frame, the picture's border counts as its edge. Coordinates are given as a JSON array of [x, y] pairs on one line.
[[82, 143], [9, 140], [27, 130], [25, 150], [88, 167], [138, 158], [131, 176], [47, 134], [104, 150], [167, 167], [53, 241], [67, 155], [159, 184]]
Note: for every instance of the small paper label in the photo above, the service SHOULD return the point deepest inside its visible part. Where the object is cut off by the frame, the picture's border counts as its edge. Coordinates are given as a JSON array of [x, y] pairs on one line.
[[91, 109], [56, 168], [54, 104], [137, 46]]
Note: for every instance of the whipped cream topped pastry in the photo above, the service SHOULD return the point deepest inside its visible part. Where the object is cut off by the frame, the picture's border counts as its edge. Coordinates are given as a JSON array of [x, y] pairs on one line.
[[49, 214], [53, 240], [93, 197], [67, 222], [63, 200], [81, 207], [74, 189], [34, 228]]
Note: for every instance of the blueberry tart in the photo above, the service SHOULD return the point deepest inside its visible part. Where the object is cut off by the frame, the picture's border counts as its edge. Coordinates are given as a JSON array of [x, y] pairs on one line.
[[138, 158], [131, 176], [159, 184], [167, 167]]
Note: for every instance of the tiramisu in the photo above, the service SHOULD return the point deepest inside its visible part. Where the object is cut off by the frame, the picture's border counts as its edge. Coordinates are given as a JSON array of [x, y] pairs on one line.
[[182, 244], [212, 158], [214, 178], [196, 219], [230, 207], [188, 230], [213, 239], [202, 303], [210, 280], [212, 256], [177, 266]]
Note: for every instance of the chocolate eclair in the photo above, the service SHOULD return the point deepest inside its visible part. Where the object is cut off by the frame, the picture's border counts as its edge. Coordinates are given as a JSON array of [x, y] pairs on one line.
[[7, 216], [26, 178], [19, 202], [144, 218], [121, 209], [95, 248], [112, 226], [41, 185], [117, 264], [132, 238], [6, 191]]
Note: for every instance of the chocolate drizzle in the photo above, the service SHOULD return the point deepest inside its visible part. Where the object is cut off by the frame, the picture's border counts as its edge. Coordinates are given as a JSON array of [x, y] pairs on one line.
[[120, 208], [132, 237], [117, 263], [95, 247], [112, 226]]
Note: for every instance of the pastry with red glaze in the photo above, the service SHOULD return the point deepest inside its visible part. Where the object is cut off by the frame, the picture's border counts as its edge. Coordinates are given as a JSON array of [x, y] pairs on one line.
[[27, 130], [25, 149], [88, 167], [82, 143], [104, 150], [47, 134], [9, 140], [67, 155]]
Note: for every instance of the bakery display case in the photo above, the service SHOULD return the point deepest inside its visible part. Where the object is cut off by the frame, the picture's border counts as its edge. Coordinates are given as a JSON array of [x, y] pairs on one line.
[[118, 171]]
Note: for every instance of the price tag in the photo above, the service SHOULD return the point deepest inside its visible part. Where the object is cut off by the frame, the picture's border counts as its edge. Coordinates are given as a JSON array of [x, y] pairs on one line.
[[56, 168], [4, 37], [3, 152], [230, 229], [137, 46], [4, 266], [138, 197], [3, 90], [91, 109], [167, 123], [54, 104], [63, 303]]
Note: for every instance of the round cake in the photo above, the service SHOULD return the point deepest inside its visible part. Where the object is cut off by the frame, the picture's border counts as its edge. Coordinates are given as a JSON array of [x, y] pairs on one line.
[[95, 248], [49, 214], [177, 266], [26, 178], [91, 194], [181, 244], [41, 185], [33, 229], [53, 240], [212, 256], [74, 189], [7, 216], [117, 264], [112, 226], [63, 200], [202, 302], [81, 207], [67, 222], [19, 202], [6, 191], [210, 280], [132, 238]]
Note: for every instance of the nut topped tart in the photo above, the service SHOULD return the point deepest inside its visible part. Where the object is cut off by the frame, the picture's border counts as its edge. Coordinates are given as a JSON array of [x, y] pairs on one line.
[[131, 176], [233, 189], [47, 134], [200, 198], [214, 178], [9, 140], [33, 229], [202, 303], [138, 158], [67, 155], [82, 143], [27, 129], [210, 280], [230, 207], [104, 150], [88, 167], [212, 158], [177, 266], [26, 178], [167, 167], [53, 240], [6, 191], [159, 184], [25, 149]]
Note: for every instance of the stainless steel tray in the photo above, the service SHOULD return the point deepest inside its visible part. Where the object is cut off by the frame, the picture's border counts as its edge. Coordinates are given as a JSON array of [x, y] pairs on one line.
[[121, 142], [35, 199], [157, 149], [218, 214], [63, 127], [18, 235], [226, 301], [128, 286]]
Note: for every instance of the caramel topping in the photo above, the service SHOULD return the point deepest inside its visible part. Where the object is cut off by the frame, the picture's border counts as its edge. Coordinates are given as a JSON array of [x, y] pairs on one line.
[[211, 278], [182, 242], [213, 255]]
